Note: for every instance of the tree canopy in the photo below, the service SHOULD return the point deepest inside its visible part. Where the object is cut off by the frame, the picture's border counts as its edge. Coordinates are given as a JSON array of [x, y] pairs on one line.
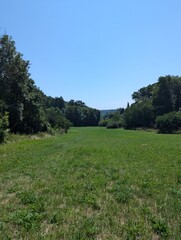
[[26, 109], [156, 105], [154, 100], [30, 110]]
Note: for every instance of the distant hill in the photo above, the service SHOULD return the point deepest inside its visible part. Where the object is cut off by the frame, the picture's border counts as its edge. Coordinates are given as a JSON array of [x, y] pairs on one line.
[[104, 112]]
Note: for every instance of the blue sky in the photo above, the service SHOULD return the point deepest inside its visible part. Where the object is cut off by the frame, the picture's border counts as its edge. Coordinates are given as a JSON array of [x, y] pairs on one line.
[[97, 51]]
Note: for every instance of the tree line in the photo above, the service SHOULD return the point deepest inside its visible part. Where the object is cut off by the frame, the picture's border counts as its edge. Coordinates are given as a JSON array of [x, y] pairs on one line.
[[157, 105], [24, 108]]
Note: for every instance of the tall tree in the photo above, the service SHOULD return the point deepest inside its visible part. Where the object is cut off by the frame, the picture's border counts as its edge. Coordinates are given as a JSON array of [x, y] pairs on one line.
[[140, 114], [18, 90], [167, 98], [143, 93], [13, 80]]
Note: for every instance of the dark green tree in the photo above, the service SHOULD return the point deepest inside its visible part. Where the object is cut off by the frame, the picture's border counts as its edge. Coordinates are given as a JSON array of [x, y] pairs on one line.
[[57, 102], [169, 122], [144, 93], [18, 91], [81, 115], [139, 114], [167, 98], [56, 118], [162, 100], [13, 80], [74, 115]]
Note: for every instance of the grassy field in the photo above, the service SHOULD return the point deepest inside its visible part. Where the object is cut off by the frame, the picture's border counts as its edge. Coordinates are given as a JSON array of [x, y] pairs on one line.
[[92, 183]]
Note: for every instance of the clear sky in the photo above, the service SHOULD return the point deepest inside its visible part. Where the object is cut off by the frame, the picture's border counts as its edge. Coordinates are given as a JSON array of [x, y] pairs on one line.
[[97, 51]]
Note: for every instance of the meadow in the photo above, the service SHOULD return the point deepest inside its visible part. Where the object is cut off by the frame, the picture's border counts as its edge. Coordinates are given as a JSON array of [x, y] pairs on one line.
[[92, 183]]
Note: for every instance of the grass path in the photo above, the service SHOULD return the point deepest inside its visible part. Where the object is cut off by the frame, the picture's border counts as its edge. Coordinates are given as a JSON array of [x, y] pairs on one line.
[[92, 183]]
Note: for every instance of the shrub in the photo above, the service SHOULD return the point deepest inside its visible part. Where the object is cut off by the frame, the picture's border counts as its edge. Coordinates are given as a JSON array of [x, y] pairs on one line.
[[113, 124], [103, 123], [169, 123], [4, 122], [116, 121]]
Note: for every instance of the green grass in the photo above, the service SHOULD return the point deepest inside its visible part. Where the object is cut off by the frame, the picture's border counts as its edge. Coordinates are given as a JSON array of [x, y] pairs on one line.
[[92, 183]]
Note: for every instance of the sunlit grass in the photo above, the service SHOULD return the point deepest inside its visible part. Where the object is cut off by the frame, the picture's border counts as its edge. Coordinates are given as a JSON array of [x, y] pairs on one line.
[[92, 183]]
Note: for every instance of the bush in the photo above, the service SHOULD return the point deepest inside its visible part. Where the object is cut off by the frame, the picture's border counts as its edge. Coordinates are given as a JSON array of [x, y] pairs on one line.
[[169, 123], [113, 120], [4, 122], [113, 124], [103, 123]]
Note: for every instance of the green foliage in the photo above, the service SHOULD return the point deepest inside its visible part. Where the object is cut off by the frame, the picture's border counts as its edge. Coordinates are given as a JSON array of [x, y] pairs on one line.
[[167, 97], [153, 101], [4, 123], [140, 114], [116, 121], [57, 102], [56, 118], [14, 78], [103, 122], [30, 110], [169, 123], [144, 93], [81, 115], [113, 124], [113, 119], [20, 95]]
